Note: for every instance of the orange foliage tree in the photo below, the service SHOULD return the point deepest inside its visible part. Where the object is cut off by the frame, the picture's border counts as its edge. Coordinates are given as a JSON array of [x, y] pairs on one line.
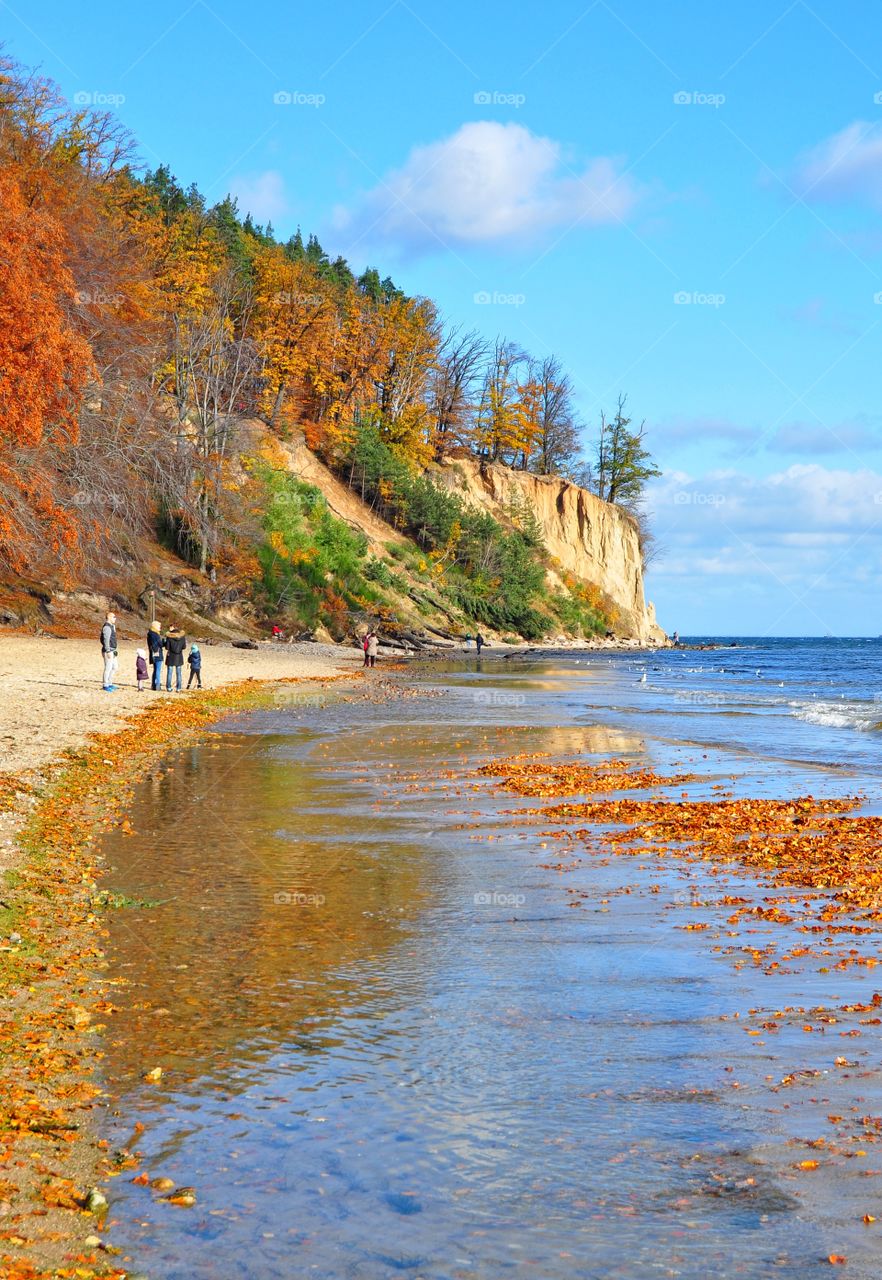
[[44, 367]]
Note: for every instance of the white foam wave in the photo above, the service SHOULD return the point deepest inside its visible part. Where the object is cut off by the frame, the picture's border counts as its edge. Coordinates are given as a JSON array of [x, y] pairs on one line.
[[839, 715]]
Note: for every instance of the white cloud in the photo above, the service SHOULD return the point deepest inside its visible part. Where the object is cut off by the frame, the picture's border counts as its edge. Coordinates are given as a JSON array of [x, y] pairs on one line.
[[488, 183], [722, 506], [844, 167], [788, 553], [261, 194]]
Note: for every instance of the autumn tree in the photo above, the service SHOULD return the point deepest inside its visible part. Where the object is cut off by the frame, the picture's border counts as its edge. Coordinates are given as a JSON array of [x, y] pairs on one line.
[[293, 327], [501, 421], [217, 364], [454, 389], [44, 368], [556, 435], [410, 339]]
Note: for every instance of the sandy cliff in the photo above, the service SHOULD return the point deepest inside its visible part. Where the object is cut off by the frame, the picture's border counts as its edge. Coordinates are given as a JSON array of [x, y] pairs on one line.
[[584, 536]]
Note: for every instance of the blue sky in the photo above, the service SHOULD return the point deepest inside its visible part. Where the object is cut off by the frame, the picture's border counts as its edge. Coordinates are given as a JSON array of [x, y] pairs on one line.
[[682, 201]]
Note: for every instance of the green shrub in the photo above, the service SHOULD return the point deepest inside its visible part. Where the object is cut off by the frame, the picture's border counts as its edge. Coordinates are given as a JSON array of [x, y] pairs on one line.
[[494, 575], [311, 562]]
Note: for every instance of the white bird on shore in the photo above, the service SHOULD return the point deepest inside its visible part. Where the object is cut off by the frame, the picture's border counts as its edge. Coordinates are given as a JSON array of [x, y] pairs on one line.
[[642, 679]]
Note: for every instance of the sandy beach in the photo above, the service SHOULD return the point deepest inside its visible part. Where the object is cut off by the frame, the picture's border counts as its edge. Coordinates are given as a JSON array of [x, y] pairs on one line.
[[51, 697]]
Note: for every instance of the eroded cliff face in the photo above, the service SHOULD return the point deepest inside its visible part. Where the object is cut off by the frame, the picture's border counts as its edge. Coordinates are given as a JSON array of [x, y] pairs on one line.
[[584, 536]]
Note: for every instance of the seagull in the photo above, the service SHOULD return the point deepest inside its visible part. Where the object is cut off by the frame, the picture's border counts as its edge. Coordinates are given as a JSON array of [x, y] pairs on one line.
[[642, 679]]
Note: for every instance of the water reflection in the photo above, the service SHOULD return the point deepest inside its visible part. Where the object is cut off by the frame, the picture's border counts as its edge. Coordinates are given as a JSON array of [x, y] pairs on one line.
[[256, 906], [388, 1046]]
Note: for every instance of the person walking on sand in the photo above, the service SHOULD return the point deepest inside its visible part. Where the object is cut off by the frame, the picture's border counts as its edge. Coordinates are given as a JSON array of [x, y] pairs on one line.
[[479, 643], [195, 660], [364, 644], [109, 652], [154, 654], [373, 645], [175, 644], [140, 669]]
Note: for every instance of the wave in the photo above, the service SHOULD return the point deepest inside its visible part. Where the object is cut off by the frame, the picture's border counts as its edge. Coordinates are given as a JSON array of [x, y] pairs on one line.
[[863, 716]]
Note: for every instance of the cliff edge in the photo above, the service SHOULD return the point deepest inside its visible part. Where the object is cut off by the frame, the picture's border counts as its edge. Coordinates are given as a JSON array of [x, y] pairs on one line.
[[594, 540]]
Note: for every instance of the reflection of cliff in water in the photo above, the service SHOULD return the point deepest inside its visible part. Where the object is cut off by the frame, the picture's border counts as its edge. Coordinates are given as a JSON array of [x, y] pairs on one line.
[[273, 878]]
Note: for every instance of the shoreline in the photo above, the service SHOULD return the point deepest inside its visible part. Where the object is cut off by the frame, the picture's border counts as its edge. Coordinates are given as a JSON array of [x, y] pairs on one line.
[[55, 997]]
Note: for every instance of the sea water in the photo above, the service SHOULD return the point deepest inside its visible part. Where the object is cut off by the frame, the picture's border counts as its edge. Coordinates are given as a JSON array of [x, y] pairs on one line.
[[390, 1047]]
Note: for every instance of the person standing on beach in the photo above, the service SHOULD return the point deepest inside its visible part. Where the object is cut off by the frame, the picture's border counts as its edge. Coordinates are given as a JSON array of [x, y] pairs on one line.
[[109, 652], [479, 643], [175, 644], [140, 668], [154, 654], [364, 644], [373, 645], [195, 660]]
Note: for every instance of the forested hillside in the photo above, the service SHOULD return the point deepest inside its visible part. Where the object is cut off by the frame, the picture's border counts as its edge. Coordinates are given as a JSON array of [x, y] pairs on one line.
[[139, 329]]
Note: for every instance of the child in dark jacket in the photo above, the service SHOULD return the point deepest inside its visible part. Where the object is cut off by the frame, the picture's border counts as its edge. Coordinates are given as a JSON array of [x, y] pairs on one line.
[[195, 660], [141, 668]]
